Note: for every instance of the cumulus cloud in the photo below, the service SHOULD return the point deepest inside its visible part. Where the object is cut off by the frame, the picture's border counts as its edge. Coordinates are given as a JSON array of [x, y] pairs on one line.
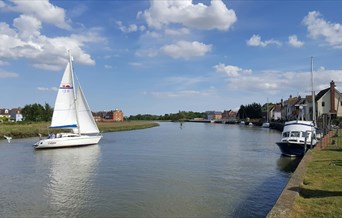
[[186, 49], [293, 41], [255, 40], [231, 71], [185, 12], [317, 27], [275, 82], [25, 40], [130, 28], [42, 10]]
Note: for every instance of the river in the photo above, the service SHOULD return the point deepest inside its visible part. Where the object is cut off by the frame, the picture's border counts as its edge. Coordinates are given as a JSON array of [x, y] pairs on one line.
[[193, 170]]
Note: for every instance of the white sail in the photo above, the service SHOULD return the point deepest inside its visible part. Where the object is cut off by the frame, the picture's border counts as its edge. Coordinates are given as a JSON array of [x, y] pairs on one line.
[[85, 118], [64, 114]]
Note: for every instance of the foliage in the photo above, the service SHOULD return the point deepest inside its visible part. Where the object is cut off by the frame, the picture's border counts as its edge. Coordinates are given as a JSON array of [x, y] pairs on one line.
[[181, 115], [36, 112], [252, 111]]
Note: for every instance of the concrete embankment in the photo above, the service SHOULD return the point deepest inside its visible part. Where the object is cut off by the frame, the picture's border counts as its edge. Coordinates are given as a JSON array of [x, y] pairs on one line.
[[284, 204]]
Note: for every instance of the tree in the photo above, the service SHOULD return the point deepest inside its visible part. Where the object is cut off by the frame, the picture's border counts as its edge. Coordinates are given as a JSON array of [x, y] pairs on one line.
[[36, 112]]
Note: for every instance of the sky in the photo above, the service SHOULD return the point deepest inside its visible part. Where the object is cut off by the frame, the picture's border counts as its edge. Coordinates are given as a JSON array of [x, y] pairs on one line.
[[164, 56]]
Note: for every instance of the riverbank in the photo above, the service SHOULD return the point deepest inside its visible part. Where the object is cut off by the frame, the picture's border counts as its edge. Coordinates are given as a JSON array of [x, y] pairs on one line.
[[315, 188], [26, 130]]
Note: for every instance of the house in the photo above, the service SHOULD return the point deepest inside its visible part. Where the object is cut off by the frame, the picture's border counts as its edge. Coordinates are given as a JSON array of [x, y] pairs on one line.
[[213, 115], [4, 115], [118, 115], [108, 116], [290, 108], [329, 101], [16, 115], [275, 112], [229, 116]]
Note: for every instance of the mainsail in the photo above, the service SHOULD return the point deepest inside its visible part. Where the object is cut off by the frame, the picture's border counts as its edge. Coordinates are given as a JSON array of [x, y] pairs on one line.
[[64, 114]]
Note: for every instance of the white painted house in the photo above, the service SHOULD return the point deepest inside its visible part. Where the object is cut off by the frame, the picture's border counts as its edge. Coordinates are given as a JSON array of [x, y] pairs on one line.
[[329, 101]]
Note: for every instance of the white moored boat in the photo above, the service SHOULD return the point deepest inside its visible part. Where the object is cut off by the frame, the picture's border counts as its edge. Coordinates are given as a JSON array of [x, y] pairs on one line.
[[71, 111]]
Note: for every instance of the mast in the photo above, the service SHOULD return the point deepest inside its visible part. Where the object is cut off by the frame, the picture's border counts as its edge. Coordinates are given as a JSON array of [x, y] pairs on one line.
[[74, 89], [313, 94], [267, 111]]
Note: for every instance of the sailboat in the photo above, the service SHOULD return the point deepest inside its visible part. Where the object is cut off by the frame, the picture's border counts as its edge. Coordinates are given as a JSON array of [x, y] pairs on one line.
[[71, 111]]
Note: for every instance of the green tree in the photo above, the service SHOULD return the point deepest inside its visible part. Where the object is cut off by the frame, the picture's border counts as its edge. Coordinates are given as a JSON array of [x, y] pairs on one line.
[[36, 112]]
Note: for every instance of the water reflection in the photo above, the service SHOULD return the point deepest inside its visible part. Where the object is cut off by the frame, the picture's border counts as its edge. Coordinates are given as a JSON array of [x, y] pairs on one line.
[[71, 173], [288, 164]]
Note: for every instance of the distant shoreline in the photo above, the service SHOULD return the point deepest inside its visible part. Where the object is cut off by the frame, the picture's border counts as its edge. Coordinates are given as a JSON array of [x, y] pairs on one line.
[[27, 130]]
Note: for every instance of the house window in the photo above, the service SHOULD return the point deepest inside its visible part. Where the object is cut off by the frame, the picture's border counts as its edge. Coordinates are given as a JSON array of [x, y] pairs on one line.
[[323, 104]]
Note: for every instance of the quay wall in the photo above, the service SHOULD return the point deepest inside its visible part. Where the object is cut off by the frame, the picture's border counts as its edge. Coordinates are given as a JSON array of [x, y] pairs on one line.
[[285, 202]]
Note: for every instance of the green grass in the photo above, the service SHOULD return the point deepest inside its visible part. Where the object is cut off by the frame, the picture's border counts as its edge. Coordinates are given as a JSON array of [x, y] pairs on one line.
[[25, 130], [321, 191]]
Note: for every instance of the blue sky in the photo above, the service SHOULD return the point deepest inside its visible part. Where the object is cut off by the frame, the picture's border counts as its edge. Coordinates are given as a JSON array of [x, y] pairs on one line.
[[162, 56]]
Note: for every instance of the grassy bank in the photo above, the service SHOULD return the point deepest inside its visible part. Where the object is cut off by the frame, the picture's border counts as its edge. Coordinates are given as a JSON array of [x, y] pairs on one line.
[[25, 130], [321, 191]]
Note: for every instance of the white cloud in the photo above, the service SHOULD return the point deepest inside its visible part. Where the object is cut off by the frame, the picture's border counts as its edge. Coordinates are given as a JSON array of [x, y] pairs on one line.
[[130, 28], [4, 74], [147, 52], [255, 40], [45, 89], [25, 40], [177, 32], [293, 41], [43, 10], [318, 27], [199, 16], [186, 50], [231, 71], [277, 82]]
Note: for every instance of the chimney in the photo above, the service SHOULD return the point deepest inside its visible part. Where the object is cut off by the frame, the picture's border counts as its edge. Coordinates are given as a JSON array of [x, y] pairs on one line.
[[332, 97]]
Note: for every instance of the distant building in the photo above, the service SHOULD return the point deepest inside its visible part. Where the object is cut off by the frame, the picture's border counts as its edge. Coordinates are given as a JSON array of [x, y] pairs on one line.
[[275, 112], [229, 115], [16, 115], [109, 116], [4, 115], [118, 115], [213, 115]]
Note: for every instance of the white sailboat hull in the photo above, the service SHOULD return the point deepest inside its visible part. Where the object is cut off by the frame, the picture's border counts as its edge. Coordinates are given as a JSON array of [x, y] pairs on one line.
[[72, 141]]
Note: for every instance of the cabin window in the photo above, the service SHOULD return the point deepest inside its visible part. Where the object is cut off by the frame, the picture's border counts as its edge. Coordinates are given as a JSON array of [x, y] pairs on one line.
[[286, 134], [323, 104], [295, 134]]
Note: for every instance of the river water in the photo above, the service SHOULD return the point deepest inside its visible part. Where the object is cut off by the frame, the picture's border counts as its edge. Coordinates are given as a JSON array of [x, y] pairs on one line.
[[194, 170]]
